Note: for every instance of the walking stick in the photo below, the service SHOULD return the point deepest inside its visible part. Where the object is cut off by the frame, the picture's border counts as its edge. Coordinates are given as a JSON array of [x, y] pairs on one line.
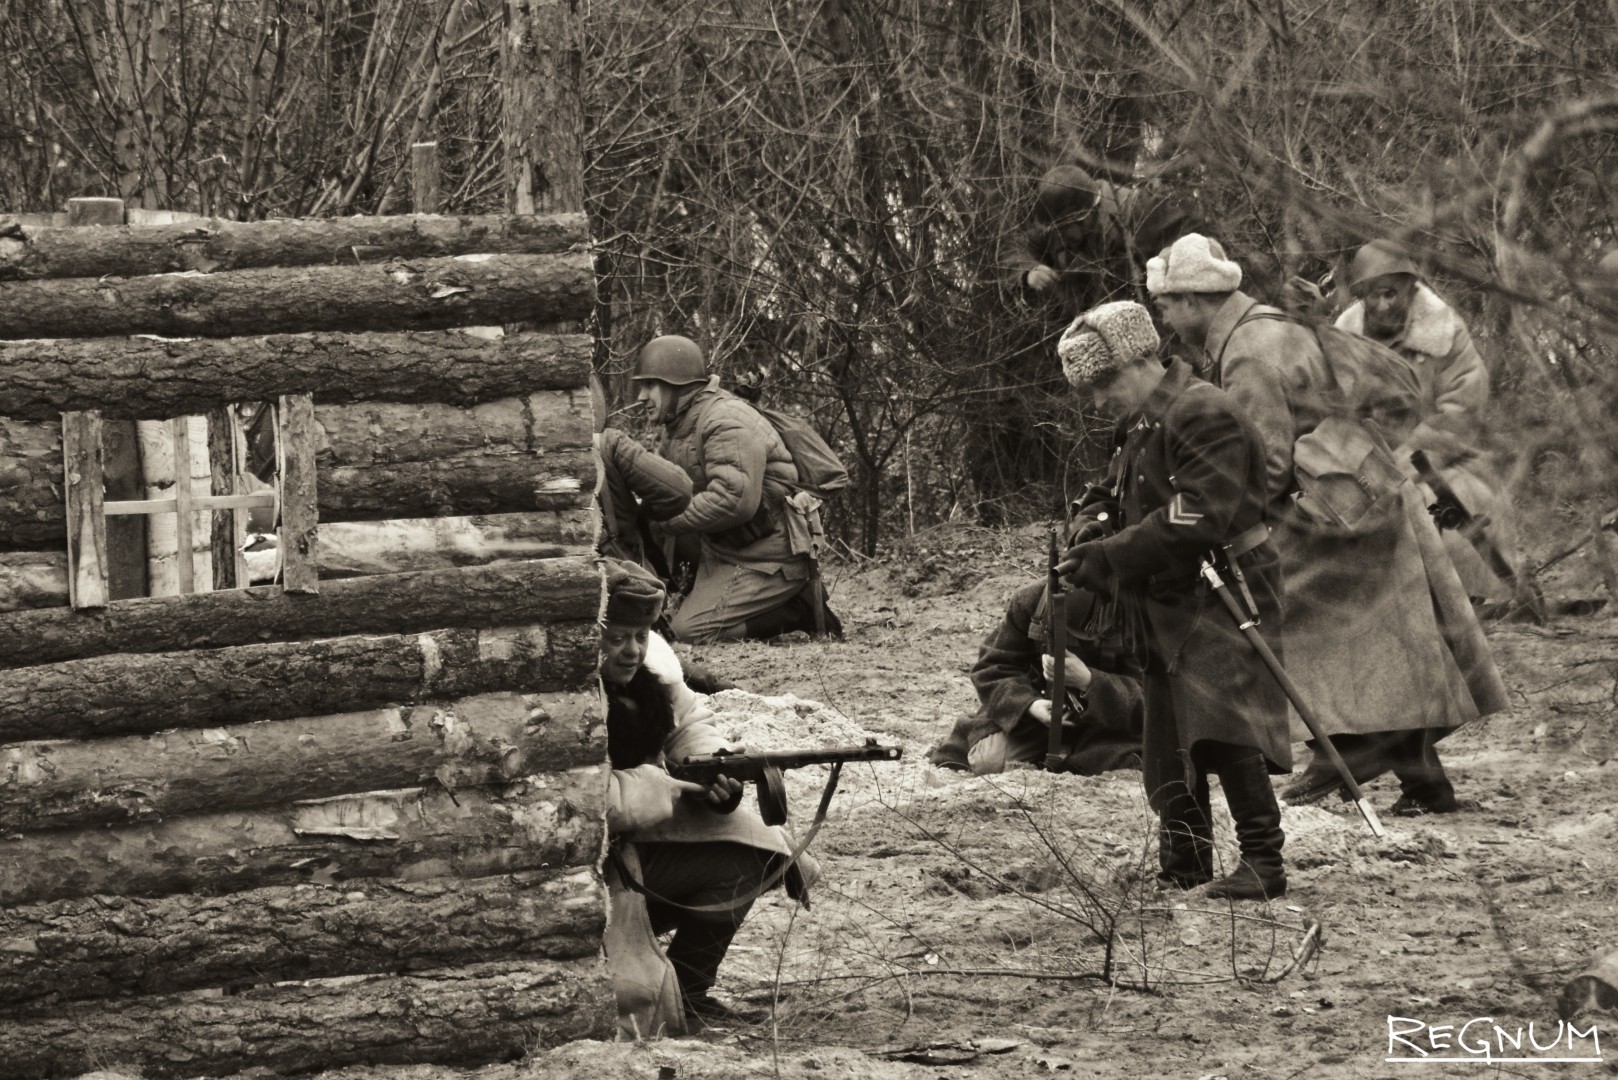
[[1056, 645], [1249, 627]]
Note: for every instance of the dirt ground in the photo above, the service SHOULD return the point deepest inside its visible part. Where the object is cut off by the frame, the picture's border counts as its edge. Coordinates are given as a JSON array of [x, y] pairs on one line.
[[999, 927]]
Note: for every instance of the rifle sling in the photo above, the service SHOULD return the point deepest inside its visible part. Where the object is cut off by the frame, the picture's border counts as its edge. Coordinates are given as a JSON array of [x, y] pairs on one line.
[[770, 882]]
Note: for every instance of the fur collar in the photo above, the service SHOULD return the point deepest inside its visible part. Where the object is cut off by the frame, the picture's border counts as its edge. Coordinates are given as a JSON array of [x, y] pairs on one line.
[[1430, 330]]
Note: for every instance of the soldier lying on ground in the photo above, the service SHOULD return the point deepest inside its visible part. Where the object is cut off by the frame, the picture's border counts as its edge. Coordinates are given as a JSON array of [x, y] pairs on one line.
[[754, 575], [1378, 634], [1186, 483], [1102, 730], [696, 856]]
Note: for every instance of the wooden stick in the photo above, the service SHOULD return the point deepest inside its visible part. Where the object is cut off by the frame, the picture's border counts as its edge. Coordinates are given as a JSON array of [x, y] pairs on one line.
[[300, 538], [197, 502], [87, 530], [424, 191], [182, 505]]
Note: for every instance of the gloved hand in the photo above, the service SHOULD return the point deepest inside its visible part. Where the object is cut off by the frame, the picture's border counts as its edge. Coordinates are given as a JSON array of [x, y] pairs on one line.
[[1088, 529], [1041, 277], [1085, 567]]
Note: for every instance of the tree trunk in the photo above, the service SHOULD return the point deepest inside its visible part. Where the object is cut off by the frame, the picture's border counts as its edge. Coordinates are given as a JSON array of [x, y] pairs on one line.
[[473, 742], [563, 480], [30, 580], [142, 378], [104, 946], [541, 63], [212, 245], [138, 693], [466, 1016], [423, 294], [550, 820], [384, 433]]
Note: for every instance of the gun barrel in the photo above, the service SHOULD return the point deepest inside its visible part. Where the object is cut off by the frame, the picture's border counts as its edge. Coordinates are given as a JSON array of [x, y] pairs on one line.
[[745, 765]]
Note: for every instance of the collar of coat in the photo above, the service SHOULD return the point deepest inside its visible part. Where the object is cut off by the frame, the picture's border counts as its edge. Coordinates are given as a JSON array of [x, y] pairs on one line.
[[1430, 330], [1231, 312], [683, 405], [1178, 376]]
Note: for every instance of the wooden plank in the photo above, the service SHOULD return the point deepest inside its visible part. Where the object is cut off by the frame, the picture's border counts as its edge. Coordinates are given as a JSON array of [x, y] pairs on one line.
[[296, 441], [562, 480], [205, 502], [154, 379], [183, 523], [463, 1016], [139, 693], [213, 244], [30, 580], [546, 821], [101, 946], [424, 192], [424, 294], [476, 741], [126, 537], [87, 531]]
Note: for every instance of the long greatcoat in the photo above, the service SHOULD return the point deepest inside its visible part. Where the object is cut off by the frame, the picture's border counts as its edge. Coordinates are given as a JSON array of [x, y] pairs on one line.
[[1187, 479], [1379, 633]]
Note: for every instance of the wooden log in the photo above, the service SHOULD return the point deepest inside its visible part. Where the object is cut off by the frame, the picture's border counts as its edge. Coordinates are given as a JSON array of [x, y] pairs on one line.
[[466, 1016], [296, 444], [425, 196], [563, 480], [383, 433], [424, 294], [108, 946], [32, 513], [351, 548], [86, 524], [551, 820], [43, 251], [31, 580], [153, 379], [137, 693], [476, 741]]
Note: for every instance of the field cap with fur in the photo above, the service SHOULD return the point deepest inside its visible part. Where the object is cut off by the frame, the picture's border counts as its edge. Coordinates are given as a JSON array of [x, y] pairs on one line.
[[1103, 340], [634, 595], [1192, 264]]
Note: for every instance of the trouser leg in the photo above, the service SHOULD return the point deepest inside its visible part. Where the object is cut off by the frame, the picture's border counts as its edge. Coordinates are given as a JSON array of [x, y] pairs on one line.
[[682, 876], [1245, 778], [1423, 784]]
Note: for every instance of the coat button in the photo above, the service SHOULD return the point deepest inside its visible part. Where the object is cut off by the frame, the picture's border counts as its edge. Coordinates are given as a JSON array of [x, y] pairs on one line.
[[1141, 479]]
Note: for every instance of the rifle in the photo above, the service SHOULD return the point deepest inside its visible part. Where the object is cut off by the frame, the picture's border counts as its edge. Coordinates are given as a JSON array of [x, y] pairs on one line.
[[1056, 645], [764, 769], [1448, 511]]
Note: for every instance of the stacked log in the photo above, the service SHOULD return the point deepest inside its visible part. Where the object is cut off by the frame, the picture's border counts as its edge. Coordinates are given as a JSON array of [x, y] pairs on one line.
[[368, 800]]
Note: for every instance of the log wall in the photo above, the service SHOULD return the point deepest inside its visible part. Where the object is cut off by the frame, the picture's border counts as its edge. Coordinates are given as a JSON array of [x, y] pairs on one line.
[[368, 798]]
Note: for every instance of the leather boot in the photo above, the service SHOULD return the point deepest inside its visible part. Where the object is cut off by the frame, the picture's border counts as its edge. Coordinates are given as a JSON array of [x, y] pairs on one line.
[[698, 948], [1185, 838], [1261, 875]]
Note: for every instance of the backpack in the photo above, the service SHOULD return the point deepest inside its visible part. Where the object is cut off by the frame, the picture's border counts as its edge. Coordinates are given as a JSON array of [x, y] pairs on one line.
[[820, 471]]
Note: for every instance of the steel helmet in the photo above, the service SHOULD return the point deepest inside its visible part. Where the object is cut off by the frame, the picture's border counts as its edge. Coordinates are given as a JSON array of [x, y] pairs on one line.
[[1378, 259], [1065, 190], [671, 359]]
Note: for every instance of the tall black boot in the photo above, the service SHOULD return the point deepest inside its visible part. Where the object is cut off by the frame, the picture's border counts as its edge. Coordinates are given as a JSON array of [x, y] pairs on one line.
[[698, 948], [1185, 837], [1424, 787], [1261, 875]]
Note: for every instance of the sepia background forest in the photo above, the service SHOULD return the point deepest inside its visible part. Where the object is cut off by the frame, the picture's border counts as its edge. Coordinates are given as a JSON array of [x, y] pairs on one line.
[[822, 192]]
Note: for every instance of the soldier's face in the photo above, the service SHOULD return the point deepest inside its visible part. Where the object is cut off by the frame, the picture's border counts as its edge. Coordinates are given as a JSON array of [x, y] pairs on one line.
[[1128, 388], [1184, 316], [1387, 304], [658, 397], [623, 650]]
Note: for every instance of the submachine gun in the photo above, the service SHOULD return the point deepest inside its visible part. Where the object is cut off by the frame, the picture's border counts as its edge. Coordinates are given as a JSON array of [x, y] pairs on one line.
[[764, 769]]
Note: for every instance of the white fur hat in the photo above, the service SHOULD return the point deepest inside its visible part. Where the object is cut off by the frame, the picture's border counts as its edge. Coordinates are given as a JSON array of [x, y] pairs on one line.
[[1104, 339], [1192, 264]]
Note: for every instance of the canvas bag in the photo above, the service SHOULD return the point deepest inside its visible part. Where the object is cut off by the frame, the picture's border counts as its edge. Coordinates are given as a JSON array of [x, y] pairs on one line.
[[820, 471], [1347, 478], [643, 982]]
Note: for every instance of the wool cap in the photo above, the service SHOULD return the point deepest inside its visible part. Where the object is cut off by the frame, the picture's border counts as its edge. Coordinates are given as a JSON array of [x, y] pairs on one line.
[[634, 595], [1103, 340], [1192, 264]]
